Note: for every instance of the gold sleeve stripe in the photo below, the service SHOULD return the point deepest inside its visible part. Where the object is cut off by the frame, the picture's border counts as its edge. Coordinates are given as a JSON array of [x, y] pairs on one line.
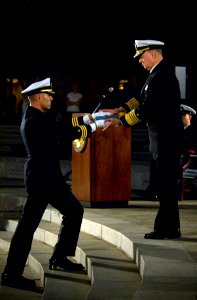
[[131, 118], [132, 103], [75, 121], [84, 132]]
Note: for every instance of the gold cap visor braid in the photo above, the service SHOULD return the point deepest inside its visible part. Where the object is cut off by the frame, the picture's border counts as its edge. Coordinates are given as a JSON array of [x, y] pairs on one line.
[[140, 51]]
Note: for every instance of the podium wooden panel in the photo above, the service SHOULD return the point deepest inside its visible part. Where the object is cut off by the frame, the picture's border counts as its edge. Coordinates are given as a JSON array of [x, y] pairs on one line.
[[101, 174]]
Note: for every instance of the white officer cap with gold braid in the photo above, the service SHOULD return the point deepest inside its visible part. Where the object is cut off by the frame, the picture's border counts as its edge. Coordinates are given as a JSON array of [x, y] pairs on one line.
[[144, 45], [185, 109], [43, 86]]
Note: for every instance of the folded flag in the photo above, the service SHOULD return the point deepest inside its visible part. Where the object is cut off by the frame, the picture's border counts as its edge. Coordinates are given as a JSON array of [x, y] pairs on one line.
[[104, 115]]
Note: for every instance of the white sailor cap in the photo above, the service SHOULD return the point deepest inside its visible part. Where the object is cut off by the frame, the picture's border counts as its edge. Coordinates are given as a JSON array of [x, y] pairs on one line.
[[144, 45], [185, 109], [43, 86]]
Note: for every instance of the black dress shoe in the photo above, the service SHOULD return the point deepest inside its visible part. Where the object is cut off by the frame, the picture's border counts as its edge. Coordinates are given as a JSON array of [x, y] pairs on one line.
[[20, 282], [155, 235], [65, 264], [174, 235]]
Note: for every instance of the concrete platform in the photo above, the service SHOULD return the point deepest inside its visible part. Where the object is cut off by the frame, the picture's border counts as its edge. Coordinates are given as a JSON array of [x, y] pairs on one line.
[[107, 267], [168, 268]]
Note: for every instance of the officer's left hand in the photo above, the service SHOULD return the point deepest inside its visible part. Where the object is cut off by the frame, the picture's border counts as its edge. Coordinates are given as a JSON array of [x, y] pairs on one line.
[[100, 123], [111, 122]]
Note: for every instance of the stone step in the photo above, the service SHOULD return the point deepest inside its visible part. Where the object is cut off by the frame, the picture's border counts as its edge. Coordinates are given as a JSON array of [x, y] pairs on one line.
[[7, 293], [167, 267], [57, 285], [101, 259]]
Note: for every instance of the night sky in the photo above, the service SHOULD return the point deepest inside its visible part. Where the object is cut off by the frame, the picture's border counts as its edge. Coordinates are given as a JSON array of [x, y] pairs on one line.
[[89, 38]]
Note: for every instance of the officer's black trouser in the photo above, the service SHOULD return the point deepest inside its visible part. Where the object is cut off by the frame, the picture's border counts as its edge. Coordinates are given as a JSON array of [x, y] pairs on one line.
[[153, 183], [169, 176], [34, 207]]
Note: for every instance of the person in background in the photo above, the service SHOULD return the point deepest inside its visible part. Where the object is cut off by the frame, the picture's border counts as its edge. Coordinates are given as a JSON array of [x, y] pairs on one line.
[[158, 107], [189, 146], [73, 99], [45, 185], [73, 103], [189, 143], [187, 113]]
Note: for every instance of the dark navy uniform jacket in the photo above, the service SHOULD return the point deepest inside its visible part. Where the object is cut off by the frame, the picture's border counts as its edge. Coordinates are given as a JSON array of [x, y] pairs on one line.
[[190, 138], [41, 138], [160, 109]]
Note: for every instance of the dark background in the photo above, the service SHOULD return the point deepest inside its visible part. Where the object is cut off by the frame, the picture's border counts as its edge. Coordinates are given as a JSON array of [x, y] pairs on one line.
[[91, 38]]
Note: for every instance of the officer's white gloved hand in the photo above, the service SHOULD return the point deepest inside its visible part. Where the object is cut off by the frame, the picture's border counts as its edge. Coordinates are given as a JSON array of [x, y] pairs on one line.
[[87, 119], [100, 115], [100, 123], [97, 124], [93, 127]]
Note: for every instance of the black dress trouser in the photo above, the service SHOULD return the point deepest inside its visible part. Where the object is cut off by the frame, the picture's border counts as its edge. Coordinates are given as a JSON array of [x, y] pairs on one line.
[[33, 209], [169, 181]]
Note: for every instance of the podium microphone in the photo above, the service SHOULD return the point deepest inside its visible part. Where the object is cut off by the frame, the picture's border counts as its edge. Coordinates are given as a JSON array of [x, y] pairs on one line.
[[102, 97]]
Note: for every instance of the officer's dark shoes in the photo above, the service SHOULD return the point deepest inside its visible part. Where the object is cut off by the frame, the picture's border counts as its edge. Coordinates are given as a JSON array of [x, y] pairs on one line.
[[20, 282], [155, 235], [174, 235], [65, 264]]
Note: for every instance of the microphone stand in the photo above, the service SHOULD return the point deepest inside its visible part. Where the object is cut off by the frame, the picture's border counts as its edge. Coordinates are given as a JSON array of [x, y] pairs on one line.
[[102, 97], [101, 100]]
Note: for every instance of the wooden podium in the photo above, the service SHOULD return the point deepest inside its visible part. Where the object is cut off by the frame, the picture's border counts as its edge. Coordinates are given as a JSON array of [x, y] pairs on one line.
[[101, 174]]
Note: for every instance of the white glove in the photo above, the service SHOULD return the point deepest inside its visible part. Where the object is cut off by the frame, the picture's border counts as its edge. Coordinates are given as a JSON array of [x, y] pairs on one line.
[[93, 127], [100, 115], [97, 124], [87, 119], [100, 123]]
